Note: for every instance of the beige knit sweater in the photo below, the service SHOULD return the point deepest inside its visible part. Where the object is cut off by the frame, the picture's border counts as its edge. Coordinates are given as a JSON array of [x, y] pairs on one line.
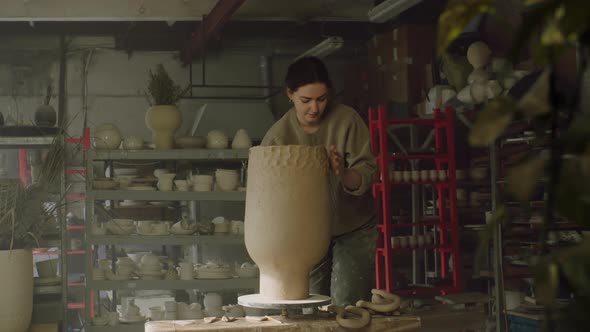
[[343, 127]]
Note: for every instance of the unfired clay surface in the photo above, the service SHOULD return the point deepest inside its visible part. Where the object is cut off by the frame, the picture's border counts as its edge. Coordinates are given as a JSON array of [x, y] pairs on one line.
[[288, 216], [16, 278]]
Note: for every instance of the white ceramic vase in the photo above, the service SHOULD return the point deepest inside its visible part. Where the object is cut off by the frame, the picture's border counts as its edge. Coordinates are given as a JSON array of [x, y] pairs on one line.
[[107, 136], [163, 121], [241, 140], [16, 278], [288, 218]]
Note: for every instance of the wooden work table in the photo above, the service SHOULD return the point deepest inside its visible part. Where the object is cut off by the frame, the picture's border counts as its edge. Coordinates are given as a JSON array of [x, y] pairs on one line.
[[278, 323]]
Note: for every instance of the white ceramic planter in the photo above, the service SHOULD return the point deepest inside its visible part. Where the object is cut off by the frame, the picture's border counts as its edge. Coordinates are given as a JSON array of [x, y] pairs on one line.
[[163, 121], [16, 278]]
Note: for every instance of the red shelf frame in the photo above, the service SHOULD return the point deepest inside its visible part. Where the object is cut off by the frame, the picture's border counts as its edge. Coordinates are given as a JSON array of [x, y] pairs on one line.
[[448, 226]]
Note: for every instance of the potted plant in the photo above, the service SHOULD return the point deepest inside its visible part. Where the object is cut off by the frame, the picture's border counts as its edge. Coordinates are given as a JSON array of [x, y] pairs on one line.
[[556, 113], [163, 118], [23, 219]]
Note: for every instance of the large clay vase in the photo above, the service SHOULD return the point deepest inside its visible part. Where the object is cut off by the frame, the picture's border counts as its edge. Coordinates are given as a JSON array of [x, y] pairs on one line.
[[16, 278], [163, 120], [288, 217]]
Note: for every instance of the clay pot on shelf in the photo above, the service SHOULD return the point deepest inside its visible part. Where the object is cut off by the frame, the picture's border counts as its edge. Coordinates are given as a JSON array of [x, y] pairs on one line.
[[406, 176], [433, 175], [415, 175], [241, 140], [421, 240], [217, 139], [424, 175], [403, 241], [107, 136], [412, 241], [163, 121]]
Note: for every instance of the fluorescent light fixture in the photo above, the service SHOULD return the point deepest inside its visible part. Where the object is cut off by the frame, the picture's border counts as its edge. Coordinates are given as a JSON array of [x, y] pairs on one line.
[[325, 48], [389, 9]]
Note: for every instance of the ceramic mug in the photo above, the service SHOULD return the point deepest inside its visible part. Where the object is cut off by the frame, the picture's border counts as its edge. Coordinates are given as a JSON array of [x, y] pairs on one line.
[[170, 306], [144, 226], [415, 175], [165, 184], [424, 175], [156, 313], [421, 240], [186, 271], [403, 241], [428, 239], [412, 241], [433, 174], [406, 176]]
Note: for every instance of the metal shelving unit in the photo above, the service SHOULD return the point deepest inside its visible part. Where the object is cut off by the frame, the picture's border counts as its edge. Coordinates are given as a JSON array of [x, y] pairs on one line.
[[165, 195], [118, 328], [178, 154], [445, 222], [199, 284], [92, 241], [166, 239]]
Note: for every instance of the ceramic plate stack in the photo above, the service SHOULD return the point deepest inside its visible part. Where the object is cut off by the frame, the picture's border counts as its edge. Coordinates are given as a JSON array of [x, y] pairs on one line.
[[125, 171], [131, 203], [121, 226], [150, 267], [247, 270], [213, 271]]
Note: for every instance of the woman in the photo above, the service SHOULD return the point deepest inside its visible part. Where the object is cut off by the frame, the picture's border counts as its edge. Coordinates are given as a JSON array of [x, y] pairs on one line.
[[347, 271]]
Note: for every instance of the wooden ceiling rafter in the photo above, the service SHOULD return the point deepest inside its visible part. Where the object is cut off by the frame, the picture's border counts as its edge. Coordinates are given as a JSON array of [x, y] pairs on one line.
[[210, 26]]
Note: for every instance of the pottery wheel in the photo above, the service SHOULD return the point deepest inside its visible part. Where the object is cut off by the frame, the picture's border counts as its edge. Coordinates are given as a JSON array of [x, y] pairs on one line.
[[257, 301]]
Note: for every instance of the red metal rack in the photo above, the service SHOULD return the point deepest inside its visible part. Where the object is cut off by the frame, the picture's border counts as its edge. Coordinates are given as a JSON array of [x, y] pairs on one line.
[[446, 221]]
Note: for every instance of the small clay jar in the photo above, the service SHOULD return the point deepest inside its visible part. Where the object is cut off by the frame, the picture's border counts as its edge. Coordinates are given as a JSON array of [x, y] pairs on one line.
[[412, 241], [433, 174], [421, 240], [406, 176], [394, 241], [403, 241], [415, 175]]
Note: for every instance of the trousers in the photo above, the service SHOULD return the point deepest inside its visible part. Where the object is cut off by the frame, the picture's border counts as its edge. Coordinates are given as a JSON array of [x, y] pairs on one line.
[[347, 272]]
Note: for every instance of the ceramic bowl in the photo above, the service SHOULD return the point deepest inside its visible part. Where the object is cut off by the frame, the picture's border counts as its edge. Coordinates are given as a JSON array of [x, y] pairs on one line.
[[160, 171], [190, 142], [104, 184], [136, 256], [133, 143], [227, 180], [202, 187], [217, 139], [123, 222], [125, 171], [478, 173], [150, 260], [182, 185], [124, 180], [203, 178]]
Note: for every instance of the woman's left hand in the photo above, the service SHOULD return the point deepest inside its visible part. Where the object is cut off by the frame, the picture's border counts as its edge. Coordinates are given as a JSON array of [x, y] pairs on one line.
[[336, 161]]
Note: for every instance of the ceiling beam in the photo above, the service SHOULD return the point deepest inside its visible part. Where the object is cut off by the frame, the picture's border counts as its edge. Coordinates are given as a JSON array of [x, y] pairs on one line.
[[211, 25]]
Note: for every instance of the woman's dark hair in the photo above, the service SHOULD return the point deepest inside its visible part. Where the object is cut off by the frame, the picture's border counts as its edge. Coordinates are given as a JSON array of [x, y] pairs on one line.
[[307, 70]]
